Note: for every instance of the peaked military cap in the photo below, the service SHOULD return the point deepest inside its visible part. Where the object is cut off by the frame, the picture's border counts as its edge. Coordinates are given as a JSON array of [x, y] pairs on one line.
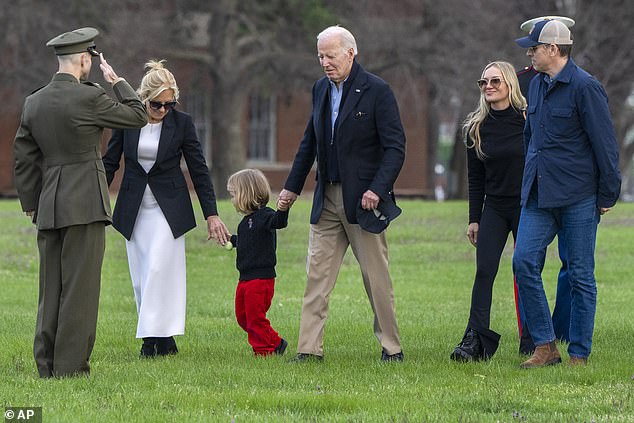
[[77, 41]]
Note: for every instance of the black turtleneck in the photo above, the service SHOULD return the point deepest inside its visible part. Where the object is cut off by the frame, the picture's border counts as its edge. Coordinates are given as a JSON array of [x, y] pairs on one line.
[[499, 175]]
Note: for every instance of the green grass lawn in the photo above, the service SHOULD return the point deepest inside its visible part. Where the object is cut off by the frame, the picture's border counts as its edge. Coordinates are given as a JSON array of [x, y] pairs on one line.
[[216, 378]]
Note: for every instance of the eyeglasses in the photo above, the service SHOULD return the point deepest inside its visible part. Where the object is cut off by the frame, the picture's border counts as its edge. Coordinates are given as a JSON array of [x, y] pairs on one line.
[[495, 82], [157, 105], [533, 49]]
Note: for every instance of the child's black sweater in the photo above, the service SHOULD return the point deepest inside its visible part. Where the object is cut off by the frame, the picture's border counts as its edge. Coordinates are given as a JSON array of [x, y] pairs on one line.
[[256, 243]]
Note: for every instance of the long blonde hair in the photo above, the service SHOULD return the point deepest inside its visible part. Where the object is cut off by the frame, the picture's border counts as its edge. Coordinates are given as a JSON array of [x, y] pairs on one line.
[[156, 80], [471, 125], [250, 189]]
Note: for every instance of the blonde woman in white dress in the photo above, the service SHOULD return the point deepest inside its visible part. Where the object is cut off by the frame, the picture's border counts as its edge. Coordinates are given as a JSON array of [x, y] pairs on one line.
[[154, 210]]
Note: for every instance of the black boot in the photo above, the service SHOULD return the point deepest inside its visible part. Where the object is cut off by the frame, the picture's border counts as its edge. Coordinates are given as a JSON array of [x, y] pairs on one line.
[[166, 346], [469, 349], [148, 349], [527, 347]]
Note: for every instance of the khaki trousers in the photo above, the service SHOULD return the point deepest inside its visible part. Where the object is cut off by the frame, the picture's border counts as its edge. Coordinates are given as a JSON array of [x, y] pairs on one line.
[[70, 279], [327, 245]]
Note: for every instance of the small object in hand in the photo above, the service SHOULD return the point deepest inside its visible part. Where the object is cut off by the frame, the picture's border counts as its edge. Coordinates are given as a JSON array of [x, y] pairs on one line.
[[228, 245]]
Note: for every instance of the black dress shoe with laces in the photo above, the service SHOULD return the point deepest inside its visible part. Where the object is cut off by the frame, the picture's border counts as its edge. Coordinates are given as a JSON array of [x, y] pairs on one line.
[[469, 349], [279, 350], [303, 358], [391, 357]]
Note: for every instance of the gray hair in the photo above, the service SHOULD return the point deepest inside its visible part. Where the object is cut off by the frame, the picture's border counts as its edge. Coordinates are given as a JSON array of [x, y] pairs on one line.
[[345, 36]]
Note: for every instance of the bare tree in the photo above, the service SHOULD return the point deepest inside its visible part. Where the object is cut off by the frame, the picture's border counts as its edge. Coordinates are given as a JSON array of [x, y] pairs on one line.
[[252, 44], [25, 27], [481, 31]]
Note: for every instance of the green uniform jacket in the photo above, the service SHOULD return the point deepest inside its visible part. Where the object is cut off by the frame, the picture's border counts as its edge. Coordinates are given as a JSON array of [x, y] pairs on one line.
[[58, 167]]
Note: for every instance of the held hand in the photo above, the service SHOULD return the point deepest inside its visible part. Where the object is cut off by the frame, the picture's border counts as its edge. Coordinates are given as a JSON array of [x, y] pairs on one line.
[[370, 200], [108, 73], [472, 233], [217, 230], [286, 199], [29, 213], [604, 210]]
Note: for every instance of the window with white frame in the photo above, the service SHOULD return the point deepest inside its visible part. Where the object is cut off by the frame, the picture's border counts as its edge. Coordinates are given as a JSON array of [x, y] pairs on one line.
[[262, 118], [199, 107]]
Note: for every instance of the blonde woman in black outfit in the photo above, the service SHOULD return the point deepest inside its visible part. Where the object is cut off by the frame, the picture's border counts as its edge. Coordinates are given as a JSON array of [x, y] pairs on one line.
[[495, 158]]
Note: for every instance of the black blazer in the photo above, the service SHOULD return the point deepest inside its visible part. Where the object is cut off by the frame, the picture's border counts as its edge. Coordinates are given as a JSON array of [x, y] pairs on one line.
[[167, 182], [369, 139]]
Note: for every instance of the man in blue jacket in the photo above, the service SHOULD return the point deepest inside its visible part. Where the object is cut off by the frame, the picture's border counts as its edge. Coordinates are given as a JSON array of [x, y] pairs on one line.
[[571, 177], [561, 312], [356, 136]]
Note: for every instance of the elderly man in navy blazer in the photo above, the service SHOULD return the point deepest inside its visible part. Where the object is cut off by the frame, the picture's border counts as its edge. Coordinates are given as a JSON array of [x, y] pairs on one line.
[[355, 134]]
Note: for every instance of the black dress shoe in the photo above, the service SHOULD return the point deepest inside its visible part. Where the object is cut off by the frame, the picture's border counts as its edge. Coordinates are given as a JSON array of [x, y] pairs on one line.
[[148, 349], [303, 358], [279, 350], [469, 349], [166, 346], [391, 357]]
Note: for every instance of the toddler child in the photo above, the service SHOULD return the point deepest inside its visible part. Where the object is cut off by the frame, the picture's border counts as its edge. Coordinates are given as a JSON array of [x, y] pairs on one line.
[[255, 243]]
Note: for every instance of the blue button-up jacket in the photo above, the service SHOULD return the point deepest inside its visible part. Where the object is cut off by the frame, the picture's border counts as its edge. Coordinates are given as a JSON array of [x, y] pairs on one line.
[[570, 142]]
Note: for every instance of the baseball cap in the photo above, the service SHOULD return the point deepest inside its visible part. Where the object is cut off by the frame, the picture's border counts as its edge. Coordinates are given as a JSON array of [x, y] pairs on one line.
[[547, 31], [377, 220]]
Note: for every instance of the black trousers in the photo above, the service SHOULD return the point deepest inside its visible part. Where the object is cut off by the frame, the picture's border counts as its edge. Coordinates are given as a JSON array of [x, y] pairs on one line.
[[495, 224]]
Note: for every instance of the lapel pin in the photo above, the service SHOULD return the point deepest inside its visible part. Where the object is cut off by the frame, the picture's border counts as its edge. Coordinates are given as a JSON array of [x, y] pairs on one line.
[[357, 90]]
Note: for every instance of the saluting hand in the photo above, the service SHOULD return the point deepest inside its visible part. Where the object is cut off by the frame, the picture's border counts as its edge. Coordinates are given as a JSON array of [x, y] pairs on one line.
[[108, 73]]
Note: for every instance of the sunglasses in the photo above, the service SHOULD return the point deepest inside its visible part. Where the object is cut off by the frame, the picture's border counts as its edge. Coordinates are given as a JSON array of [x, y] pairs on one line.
[[533, 49], [157, 105], [495, 82]]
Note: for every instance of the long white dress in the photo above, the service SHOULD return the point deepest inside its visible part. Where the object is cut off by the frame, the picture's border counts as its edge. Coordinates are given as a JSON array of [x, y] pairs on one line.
[[156, 259]]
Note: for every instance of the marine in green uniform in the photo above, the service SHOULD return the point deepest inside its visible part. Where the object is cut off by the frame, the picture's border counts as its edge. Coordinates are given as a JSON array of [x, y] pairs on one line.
[[61, 183]]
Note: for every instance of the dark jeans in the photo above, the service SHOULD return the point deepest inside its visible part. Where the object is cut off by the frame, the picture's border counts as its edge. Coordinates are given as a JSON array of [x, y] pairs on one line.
[[561, 313], [538, 226]]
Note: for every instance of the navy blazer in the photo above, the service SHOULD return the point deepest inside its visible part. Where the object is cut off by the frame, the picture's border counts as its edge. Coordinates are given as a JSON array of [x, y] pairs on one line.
[[370, 142], [165, 178]]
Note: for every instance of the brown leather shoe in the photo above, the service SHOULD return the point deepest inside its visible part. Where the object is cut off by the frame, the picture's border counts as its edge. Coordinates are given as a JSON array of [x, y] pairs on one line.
[[544, 355], [578, 361]]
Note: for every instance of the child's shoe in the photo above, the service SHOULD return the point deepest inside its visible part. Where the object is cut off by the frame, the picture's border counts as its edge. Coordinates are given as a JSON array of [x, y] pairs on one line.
[[279, 350]]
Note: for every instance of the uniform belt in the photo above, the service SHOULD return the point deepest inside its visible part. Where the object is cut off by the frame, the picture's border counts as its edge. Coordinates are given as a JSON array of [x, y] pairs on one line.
[[73, 158]]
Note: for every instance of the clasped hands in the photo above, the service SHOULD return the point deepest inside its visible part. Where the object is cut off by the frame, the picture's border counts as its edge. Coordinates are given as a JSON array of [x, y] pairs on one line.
[[217, 230], [369, 201]]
